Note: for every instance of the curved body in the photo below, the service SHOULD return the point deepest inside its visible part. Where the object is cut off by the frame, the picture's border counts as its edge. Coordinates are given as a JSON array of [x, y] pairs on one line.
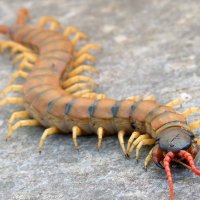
[[47, 102]]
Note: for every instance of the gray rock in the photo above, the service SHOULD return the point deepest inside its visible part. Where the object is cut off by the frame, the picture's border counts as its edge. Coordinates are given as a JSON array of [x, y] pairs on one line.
[[149, 47]]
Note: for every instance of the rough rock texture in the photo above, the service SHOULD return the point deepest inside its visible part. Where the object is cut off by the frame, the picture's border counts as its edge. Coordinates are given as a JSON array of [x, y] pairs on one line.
[[150, 47]]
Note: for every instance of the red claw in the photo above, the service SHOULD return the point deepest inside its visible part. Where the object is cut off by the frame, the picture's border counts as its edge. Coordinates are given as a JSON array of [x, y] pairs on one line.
[[187, 156]]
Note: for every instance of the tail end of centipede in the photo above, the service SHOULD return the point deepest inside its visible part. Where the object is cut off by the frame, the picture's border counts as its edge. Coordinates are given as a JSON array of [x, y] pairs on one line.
[[22, 16]]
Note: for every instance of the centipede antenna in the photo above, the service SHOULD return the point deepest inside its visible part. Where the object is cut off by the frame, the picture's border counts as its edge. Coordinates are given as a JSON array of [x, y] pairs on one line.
[[189, 158], [169, 156]]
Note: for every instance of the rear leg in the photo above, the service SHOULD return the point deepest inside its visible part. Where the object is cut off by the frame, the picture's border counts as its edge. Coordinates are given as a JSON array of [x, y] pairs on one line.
[[54, 23], [22, 123], [47, 132], [11, 88]]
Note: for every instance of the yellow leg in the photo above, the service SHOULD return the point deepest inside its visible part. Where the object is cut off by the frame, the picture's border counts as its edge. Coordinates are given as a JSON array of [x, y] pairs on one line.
[[95, 95], [194, 125], [83, 58], [121, 135], [79, 36], [22, 123], [82, 92], [148, 159], [81, 69], [18, 88], [47, 132], [77, 79], [54, 24], [189, 111], [86, 48], [77, 86], [31, 57], [100, 133], [70, 30], [17, 115], [150, 98], [133, 136], [136, 142], [143, 142], [76, 131], [175, 102], [134, 98], [12, 100], [18, 74], [15, 47], [25, 65]]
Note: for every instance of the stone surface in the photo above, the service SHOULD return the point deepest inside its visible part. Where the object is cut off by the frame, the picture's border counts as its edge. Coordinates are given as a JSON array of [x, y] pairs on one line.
[[150, 47]]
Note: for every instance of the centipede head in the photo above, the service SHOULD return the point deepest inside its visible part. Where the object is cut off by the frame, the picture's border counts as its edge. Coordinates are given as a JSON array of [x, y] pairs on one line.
[[175, 144]]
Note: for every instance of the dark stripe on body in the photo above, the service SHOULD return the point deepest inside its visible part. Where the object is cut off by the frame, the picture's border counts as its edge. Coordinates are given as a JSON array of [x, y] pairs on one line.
[[37, 86], [152, 114], [134, 107], [92, 108], [115, 108], [32, 34], [68, 107], [52, 103], [42, 93]]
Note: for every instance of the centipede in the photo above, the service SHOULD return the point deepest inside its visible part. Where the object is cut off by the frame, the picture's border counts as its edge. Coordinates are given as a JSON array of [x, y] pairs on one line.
[[56, 95]]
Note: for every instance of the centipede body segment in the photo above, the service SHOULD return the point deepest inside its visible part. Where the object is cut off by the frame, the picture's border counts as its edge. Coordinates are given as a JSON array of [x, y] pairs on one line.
[[57, 96]]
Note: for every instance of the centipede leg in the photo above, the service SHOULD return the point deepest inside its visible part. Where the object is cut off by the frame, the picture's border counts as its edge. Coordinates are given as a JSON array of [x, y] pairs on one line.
[[134, 98], [18, 74], [47, 132], [175, 102], [17, 115], [77, 79], [22, 123], [25, 56], [76, 131], [151, 97], [133, 136], [15, 47], [136, 142], [10, 88], [95, 95], [189, 111], [72, 30], [77, 86], [143, 142], [83, 58], [81, 69], [100, 133], [194, 125], [148, 158], [82, 92], [54, 24], [79, 36], [121, 135], [12, 100], [86, 48]]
